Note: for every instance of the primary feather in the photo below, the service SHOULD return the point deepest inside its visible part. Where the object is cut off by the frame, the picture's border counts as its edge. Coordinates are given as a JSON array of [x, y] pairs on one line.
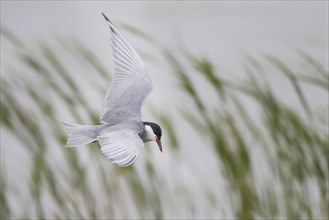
[[131, 82], [122, 147]]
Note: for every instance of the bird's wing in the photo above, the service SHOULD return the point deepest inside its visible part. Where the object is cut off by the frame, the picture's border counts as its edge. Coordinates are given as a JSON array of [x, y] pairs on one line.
[[122, 147], [131, 82]]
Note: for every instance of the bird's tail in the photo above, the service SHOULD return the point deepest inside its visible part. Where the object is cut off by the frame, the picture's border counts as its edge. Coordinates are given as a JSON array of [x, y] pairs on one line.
[[79, 135]]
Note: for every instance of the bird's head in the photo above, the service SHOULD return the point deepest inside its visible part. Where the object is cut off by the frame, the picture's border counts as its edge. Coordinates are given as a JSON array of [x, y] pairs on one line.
[[153, 133]]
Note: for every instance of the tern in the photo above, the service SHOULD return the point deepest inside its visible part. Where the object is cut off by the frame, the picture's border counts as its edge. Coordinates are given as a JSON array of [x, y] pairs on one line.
[[121, 132]]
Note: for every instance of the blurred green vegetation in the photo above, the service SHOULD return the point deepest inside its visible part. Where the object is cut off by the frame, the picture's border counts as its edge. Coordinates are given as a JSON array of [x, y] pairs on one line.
[[38, 88]]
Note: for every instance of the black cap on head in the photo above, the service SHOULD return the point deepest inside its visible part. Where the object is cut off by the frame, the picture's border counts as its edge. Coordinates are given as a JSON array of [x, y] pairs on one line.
[[156, 129]]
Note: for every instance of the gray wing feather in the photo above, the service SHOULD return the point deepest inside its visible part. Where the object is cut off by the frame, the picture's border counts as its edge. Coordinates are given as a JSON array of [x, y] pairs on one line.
[[130, 85], [122, 147]]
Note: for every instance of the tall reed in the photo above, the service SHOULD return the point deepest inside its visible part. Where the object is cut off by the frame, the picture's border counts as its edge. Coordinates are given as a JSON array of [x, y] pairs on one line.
[[38, 87]]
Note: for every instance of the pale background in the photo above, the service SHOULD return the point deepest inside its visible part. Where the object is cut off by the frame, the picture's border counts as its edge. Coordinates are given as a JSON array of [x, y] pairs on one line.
[[219, 30]]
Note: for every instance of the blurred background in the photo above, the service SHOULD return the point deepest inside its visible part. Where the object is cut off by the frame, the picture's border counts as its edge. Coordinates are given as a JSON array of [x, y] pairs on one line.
[[240, 90]]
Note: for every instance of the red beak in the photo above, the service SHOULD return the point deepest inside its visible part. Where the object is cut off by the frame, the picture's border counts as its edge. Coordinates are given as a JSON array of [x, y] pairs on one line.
[[159, 144]]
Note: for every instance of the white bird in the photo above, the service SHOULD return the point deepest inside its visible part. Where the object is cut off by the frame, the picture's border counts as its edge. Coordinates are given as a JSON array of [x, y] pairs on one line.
[[122, 132]]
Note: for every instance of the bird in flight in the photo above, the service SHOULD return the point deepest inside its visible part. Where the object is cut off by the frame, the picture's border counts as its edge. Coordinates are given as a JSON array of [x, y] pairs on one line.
[[122, 132]]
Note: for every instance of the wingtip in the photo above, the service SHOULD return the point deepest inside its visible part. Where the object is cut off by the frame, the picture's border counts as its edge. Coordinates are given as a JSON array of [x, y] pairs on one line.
[[109, 22], [106, 18]]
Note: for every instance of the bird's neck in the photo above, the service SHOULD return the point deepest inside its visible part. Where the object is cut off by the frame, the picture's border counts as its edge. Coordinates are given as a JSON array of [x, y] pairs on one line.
[[148, 134]]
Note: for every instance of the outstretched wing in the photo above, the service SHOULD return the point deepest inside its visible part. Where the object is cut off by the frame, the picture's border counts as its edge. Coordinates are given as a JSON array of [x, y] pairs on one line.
[[122, 147], [131, 82]]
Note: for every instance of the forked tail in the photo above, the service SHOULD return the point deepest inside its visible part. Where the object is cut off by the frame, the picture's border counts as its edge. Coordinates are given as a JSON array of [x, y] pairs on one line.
[[79, 135]]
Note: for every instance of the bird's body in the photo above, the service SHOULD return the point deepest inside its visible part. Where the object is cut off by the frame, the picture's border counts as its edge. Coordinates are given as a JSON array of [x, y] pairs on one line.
[[122, 132]]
